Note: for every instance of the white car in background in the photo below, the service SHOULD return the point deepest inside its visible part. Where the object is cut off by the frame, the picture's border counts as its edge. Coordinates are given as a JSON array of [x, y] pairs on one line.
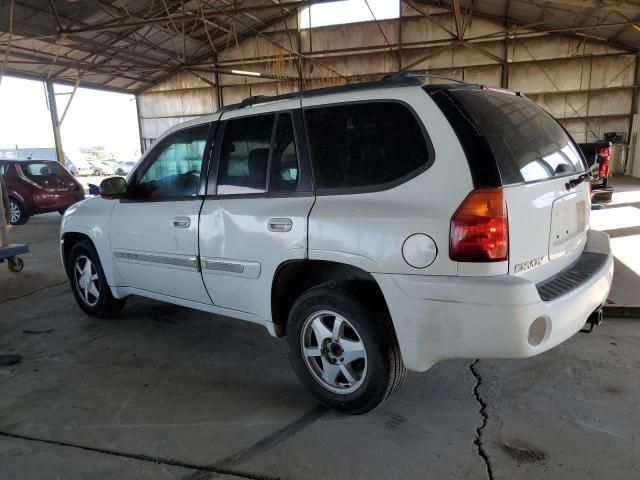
[[121, 167], [380, 227], [76, 163], [102, 167]]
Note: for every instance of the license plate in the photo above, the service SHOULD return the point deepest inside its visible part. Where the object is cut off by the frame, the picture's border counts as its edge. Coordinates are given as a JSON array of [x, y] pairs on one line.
[[568, 223]]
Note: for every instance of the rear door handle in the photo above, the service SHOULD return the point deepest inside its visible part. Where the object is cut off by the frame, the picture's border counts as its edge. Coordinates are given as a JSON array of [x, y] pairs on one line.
[[181, 222], [280, 225]]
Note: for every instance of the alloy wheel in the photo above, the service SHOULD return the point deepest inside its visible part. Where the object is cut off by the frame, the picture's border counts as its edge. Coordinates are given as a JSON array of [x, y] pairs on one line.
[[87, 280], [14, 212], [334, 352]]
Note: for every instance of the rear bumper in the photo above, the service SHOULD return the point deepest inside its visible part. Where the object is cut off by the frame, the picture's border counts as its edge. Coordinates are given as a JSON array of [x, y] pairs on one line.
[[52, 202], [439, 318]]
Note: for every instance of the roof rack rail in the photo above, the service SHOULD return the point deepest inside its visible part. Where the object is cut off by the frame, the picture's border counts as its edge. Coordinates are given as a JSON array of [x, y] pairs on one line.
[[389, 81], [398, 75]]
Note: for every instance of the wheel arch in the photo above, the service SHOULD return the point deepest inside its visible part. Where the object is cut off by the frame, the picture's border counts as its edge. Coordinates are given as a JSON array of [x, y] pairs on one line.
[[76, 234], [294, 277], [68, 241], [14, 195]]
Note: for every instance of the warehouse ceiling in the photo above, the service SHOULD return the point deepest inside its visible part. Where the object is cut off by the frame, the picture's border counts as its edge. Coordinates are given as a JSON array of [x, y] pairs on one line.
[[129, 45]]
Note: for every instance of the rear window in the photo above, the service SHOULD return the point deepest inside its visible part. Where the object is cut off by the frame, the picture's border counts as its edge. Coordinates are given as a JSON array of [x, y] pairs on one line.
[[364, 145], [528, 145], [37, 170]]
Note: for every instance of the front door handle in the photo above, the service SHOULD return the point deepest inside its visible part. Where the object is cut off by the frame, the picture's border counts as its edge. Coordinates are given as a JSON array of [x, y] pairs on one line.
[[280, 224], [181, 222]]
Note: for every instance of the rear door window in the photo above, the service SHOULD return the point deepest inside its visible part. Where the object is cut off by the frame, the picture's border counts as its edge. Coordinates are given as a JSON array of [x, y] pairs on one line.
[[370, 145], [284, 159], [528, 145], [244, 156], [44, 169], [258, 154]]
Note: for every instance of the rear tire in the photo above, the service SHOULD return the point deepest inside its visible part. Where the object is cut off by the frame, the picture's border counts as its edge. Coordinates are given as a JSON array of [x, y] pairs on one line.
[[17, 215], [89, 284], [354, 366]]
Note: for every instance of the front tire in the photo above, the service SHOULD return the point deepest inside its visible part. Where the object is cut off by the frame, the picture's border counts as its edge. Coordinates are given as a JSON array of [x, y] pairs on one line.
[[343, 347], [89, 284], [17, 214]]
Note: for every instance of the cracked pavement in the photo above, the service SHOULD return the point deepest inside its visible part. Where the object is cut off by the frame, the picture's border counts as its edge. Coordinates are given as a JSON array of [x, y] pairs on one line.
[[478, 441], [166, 392]]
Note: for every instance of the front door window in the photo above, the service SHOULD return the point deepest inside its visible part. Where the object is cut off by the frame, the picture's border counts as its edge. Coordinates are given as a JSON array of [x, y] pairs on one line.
[[176, 167]]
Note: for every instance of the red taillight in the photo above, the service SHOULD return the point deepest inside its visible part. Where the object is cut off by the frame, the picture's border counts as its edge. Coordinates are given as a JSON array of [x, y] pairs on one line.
[[480, 228], [605, 154]]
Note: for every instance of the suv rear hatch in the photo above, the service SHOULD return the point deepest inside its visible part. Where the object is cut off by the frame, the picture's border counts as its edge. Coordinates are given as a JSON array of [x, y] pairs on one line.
[[47, 175], [512, 143]]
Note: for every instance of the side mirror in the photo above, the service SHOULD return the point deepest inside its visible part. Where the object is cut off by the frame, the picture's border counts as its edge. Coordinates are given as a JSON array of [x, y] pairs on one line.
[[114, 187]]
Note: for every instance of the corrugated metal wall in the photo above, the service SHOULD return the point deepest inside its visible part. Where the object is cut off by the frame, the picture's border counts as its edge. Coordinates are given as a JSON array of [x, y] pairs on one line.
[[588, 85]]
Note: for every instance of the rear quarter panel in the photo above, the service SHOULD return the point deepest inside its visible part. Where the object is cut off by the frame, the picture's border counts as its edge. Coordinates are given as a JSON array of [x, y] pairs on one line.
[[367, 230]]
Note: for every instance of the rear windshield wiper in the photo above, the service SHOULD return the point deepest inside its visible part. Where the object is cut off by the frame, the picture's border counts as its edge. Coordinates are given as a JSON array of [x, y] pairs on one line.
[[574, 182]]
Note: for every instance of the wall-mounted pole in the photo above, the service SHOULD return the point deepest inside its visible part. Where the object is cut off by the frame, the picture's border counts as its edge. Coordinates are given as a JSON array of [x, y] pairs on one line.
[[55, 122]]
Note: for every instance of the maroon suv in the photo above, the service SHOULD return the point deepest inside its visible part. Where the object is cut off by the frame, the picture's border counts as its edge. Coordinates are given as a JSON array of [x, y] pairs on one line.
[[38, 186]]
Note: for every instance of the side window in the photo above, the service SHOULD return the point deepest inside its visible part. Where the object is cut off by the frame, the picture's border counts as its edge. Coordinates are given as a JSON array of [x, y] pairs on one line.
[[3, 168], [176, 165], [364, 144], [244, 155], [284, 158]]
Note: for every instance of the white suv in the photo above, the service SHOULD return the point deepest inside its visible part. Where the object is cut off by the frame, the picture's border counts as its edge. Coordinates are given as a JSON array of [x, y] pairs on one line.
[[380, 227]]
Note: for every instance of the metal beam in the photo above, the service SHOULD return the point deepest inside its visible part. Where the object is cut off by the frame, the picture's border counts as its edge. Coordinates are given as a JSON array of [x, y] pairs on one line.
[[55, 13], [428, 56], [66, 107], [483, 51], [618, 6], [455, 8], [431, 18], [380, 49], [571, 32], [386, 40], [124, 23]]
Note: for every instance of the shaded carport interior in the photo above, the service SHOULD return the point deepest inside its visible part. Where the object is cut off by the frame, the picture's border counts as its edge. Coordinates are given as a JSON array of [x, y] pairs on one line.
[[150, 397], [578, 59]]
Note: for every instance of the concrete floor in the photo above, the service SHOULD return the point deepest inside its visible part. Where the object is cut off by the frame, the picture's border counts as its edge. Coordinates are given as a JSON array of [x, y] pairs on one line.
[[166, 392], [621, 220]]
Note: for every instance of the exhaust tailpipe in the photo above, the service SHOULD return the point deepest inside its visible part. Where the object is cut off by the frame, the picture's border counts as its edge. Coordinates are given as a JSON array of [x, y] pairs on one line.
[[594, 319]]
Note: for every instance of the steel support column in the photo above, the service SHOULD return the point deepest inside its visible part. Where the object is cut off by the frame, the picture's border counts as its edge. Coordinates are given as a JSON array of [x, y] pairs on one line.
[[142, 149], [216, 78], [636, 86], [504, 77], [632, 139], [55, 121]]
